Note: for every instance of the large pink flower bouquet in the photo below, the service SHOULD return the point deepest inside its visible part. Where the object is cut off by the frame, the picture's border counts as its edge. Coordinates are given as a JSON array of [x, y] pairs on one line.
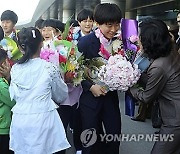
[[118, 73]]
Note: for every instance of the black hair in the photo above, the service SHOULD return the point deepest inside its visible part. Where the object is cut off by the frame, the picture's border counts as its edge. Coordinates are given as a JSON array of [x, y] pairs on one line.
[[84, 14], [38, 23], [54, 23], [29, 39], [9, 15], [155, 38], [59, 25], [1, 33], [74, 23], [49, 23], [107, 13], [3, 54]]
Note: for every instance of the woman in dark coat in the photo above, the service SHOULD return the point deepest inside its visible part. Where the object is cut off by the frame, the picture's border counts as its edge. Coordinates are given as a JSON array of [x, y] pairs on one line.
[[163, 82]]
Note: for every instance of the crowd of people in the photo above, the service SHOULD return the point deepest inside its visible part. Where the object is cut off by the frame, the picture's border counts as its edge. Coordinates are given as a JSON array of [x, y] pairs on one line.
[[37, 104]]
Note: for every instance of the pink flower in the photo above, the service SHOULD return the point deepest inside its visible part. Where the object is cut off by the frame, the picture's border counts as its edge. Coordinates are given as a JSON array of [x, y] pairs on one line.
[[133, 38], [50, 55], [46, 54]]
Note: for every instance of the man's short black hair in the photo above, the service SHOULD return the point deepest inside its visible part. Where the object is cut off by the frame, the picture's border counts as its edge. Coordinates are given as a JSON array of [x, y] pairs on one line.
[[107, 13], [84, 14], [9, 15]]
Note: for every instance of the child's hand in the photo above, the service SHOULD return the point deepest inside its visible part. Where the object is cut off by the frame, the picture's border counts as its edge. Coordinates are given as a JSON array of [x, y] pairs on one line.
[[5, 69], [97, 90]]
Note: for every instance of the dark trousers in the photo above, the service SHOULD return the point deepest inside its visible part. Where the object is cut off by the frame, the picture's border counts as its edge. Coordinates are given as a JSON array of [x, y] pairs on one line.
[[168, 147], [77, 128], [107, 113], [65, 113], [4, 145]]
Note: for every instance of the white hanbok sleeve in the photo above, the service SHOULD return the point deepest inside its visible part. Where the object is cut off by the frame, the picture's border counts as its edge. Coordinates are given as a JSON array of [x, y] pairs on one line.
[[58, 87]]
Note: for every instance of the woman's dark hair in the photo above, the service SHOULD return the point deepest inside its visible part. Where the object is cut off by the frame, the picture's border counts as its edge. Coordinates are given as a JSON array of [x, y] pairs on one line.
[[29, 39], [155, 38], [9, 15], [107, 13], [38, 23], [49, 23], [54, 23], [74, 23], [84, 14], [1, 33], [59, 25]]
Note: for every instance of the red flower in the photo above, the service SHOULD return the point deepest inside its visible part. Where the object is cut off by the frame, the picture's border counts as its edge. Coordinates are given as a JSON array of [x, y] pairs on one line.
[[121, 52], [62, 59]]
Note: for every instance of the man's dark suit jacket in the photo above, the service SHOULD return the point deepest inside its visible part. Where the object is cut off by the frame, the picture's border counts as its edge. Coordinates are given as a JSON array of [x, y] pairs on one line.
[[89, 45]]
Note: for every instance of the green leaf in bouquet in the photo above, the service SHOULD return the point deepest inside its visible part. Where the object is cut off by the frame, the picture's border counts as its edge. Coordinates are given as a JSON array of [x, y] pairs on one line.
[[16, 53], [63, 67], [81, 60], [67, 28], [98, 62], [62, 42], [69, 46]]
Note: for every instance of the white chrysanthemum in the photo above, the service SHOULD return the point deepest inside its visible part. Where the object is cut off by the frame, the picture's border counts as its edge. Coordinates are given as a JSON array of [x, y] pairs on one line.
[[116, 44]]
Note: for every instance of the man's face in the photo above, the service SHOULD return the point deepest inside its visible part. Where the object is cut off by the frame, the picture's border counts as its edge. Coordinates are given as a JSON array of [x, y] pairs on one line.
[[86, 25], [7, 26], [178, 19], [109, 29]]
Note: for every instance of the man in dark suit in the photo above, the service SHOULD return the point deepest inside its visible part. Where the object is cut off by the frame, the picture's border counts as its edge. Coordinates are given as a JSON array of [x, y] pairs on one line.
[[97, 106]]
